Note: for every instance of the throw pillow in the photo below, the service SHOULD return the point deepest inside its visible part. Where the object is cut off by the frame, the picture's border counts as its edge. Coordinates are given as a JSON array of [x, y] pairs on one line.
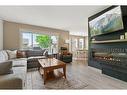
[[3, 56], [65, 52], [20, 54], [5, 67], [12, 54]]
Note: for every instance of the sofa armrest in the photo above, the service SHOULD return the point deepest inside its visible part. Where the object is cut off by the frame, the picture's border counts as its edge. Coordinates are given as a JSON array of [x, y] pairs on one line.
[[45, 53], [11, 83]]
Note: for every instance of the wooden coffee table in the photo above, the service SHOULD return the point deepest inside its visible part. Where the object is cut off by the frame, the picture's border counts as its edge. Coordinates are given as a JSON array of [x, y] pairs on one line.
[[50, 69]]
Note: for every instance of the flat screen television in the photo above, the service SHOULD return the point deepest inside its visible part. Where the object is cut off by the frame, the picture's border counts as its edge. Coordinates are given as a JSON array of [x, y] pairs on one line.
[[108, 22]]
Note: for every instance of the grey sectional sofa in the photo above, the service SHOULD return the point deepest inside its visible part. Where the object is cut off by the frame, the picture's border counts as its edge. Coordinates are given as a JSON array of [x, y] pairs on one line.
[[13, 72], [16, 77]]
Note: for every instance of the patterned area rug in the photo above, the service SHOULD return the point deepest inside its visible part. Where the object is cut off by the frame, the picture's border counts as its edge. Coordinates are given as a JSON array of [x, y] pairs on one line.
[[65, 84], [35, 81]]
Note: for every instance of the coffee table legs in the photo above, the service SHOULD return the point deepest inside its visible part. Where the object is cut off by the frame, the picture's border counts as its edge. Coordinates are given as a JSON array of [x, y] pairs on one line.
[[64, 72], [45, 76]]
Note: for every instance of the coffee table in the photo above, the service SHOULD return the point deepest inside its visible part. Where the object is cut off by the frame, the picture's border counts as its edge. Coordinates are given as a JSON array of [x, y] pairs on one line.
[[50, 68]]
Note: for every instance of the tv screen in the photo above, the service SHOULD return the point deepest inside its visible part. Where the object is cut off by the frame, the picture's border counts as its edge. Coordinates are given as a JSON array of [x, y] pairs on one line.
[[108, 22]]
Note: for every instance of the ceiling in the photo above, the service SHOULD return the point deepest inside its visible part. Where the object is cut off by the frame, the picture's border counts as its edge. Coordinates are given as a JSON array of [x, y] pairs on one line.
[[71, 18]]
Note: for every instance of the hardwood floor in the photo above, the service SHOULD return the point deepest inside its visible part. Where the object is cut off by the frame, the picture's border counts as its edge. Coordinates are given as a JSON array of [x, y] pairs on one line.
[[86, 74]]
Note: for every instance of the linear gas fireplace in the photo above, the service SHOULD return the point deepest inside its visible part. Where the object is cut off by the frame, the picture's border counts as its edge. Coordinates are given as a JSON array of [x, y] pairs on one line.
[[113, 61]]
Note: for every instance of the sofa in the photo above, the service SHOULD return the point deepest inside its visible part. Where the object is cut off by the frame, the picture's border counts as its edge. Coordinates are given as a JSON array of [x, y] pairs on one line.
[[12, 72], [14, 65]]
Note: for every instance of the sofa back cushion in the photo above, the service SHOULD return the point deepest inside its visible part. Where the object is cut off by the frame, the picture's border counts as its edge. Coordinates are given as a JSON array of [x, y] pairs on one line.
[[3, 56], [31, 53], [5, 67]]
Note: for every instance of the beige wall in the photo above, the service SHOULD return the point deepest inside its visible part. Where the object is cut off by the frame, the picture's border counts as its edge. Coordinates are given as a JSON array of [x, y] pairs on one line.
[[12, 34]]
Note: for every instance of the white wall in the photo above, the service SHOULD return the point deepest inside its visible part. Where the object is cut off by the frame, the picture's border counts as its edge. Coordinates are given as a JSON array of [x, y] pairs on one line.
[[1, 34]]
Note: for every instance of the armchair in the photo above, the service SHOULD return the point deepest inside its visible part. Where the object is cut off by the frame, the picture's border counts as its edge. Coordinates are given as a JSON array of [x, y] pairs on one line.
[[65, 56]]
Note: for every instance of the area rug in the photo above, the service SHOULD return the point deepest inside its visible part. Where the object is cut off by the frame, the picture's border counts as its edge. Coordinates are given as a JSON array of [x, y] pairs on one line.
[[35, 81], [65, 84]]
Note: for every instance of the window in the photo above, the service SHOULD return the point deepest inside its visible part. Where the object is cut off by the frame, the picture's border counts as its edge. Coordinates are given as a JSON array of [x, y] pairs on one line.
[[26, 40], [77, 43], [74, 44], [29, 41], [81, 44]]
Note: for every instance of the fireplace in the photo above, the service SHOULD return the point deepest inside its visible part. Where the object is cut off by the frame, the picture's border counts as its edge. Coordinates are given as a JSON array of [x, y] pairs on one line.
[[113, 62]]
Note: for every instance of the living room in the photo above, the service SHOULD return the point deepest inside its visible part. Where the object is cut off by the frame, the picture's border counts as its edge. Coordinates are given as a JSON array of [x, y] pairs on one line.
[[20, 41], [52, 47]]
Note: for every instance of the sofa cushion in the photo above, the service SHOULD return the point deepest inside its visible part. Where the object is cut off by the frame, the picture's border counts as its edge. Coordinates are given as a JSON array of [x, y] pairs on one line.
[[21, 62], [5, 67], [10, 83], [17, 80], [12, 54], [3, 56], [31, 53], [36, 57]]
